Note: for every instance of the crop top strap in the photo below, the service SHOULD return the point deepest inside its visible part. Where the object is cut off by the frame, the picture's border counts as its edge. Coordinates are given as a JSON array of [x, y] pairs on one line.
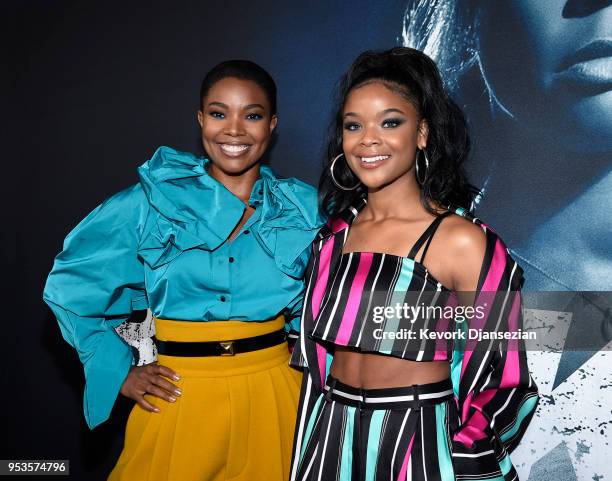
[[426, 237]]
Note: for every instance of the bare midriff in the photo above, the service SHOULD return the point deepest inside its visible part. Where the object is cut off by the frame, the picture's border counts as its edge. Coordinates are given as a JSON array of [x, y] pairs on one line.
[[374, 371]]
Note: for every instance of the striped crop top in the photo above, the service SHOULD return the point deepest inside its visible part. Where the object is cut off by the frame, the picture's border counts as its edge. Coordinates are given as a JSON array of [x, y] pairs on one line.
[[388, 304]]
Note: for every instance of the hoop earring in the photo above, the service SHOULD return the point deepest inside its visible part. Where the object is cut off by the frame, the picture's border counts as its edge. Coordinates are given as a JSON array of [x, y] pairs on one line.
[[421, 180], [338, 184]]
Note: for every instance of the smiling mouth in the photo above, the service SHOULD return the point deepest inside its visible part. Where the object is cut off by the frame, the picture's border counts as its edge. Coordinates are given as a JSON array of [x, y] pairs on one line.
[[376, 158], [234, 149]]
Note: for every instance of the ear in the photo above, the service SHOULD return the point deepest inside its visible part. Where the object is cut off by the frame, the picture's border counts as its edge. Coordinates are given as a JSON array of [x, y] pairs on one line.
[[200, 118], [422, 134], [273, 123]]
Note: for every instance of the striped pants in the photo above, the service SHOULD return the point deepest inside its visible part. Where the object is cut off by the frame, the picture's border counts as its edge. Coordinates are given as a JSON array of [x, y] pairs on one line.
[[386, 434]]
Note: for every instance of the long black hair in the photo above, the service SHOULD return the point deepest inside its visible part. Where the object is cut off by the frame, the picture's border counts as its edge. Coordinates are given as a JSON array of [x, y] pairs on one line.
[[415, 76]]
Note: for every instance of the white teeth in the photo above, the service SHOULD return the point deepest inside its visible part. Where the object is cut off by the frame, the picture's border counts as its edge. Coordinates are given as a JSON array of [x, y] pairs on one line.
[[374, 159], [233, 148]]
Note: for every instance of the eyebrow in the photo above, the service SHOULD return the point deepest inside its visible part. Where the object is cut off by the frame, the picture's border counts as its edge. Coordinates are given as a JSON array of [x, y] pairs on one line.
[[384, 112], [389, 111], [217, 104], [247, 107]]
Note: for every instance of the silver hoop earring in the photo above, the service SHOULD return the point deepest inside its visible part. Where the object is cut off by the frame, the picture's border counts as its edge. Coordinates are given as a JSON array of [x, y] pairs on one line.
[[421, 179], [338, 184]]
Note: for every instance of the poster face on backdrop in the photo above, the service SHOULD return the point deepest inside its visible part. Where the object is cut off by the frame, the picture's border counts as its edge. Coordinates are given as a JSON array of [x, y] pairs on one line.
[[99, 87], [535, 78]]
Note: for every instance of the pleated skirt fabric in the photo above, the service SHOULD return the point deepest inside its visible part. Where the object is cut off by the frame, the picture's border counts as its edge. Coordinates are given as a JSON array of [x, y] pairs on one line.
[[234, 420], [384, 440]]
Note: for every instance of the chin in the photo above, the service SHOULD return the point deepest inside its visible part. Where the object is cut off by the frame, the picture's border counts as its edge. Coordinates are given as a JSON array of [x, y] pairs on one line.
[[591, 120], [376, 184], [233, 166], [378, 180], [236, 169]]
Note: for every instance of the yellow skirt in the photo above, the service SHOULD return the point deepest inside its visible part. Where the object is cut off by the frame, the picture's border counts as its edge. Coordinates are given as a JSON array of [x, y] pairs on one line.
[[234, 420]]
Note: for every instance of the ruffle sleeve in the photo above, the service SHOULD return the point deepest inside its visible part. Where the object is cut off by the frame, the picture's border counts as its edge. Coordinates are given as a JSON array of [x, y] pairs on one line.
[[290, 220], [96, 282], [496, 395]]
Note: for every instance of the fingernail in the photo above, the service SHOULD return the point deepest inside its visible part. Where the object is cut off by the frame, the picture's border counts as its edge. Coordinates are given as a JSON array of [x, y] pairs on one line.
[[178, 392], [156, 410], [176, 378], [172, 399]]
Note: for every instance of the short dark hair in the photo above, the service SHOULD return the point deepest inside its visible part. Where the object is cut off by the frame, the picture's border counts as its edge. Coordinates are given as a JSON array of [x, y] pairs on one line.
[[413, 75], [244, 70]]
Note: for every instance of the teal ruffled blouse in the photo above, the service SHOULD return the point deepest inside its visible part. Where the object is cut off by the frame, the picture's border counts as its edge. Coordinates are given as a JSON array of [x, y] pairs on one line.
[[163, 244]]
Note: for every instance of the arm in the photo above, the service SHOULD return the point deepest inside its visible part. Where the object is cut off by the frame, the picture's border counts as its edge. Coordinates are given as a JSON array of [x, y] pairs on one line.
[[496, 395], [91, 289], [306, 348]]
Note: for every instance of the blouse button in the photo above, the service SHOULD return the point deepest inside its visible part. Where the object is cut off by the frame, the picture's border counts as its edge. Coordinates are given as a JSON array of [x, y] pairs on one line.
[[222, 298], [247, 231], [231, 259]]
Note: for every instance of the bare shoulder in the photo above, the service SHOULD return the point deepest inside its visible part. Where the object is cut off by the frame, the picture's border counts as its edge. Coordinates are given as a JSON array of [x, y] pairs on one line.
[[461, 237], [461, 246]]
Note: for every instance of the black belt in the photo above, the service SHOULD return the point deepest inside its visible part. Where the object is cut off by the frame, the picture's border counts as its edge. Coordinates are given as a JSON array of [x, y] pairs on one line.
[[220, 348]]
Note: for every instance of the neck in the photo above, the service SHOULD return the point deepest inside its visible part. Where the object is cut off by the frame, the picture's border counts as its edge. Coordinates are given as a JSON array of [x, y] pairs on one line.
[[400, 199], [240, 184]]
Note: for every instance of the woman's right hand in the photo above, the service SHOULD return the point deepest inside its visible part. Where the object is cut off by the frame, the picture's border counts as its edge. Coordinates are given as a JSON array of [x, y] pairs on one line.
[[150, 379]]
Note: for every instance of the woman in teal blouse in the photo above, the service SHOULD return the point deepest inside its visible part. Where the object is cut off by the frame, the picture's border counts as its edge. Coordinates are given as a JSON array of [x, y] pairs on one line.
[[216, 248]]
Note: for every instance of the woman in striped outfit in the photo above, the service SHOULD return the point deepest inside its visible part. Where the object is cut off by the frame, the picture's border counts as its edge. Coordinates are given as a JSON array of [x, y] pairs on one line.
[[394, 386]]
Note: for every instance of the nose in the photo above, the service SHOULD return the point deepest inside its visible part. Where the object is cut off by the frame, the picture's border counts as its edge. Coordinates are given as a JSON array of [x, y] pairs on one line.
[[369, 137], [234, 126], [584, 8]]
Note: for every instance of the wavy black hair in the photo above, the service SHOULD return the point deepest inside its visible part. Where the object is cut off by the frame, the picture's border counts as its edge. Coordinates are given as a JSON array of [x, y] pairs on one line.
[[244, 70], [415, 76]]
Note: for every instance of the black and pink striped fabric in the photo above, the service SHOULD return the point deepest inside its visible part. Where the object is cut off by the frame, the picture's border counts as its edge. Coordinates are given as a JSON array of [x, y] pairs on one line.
[[363, 284], [494, 392]]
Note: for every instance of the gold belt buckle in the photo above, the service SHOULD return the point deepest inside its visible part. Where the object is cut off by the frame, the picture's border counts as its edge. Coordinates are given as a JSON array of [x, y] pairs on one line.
[[228, 348]]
